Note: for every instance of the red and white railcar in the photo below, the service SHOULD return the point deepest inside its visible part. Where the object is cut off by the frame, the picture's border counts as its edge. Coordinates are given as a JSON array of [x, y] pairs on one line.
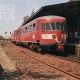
[[43, 31]]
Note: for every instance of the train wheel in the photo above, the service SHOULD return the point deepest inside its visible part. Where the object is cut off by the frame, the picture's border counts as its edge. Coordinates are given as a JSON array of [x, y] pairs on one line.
[[15, 43], [36, 47], [31, 46], [39, 49], [28, 45]]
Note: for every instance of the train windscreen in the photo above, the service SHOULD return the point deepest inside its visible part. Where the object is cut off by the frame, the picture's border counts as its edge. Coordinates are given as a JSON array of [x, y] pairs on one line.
[[53, 26], [58, 26], [46, 26]]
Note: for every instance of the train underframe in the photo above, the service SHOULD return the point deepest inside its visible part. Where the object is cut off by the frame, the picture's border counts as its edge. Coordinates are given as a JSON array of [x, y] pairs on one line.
[[39, 47]]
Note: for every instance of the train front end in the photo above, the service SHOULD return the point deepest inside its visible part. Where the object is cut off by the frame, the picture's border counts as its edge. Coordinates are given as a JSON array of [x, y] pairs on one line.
[[53, 32]]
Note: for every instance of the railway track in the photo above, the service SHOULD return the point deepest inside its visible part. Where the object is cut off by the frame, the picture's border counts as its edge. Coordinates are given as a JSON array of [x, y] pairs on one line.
[[24, 52], [51, 65], [71, 58]]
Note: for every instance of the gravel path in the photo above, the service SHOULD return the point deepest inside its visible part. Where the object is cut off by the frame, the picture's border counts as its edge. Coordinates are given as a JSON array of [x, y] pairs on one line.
[[34, 70]]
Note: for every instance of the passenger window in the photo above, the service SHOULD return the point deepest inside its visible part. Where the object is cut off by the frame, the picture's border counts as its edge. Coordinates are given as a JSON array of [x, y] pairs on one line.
[[34, 27], [26, 30], [30, 28], [22, 31], [43, 26]]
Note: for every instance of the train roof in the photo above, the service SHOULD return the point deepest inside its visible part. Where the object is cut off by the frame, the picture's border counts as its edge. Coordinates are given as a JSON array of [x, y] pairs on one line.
[[63, 9], [51, 16]]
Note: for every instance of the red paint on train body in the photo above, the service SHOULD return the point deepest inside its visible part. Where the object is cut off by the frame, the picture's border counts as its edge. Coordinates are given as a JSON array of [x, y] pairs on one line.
[[46, 30]]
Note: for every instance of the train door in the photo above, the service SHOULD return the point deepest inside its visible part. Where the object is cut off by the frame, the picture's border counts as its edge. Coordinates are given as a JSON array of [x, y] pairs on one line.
[[38, 32]]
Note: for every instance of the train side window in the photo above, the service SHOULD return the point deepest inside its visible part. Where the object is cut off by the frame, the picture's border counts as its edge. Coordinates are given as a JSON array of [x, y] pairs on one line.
[[30, 28], [43, 26], [22, 31], [34, 27], [26, 29]]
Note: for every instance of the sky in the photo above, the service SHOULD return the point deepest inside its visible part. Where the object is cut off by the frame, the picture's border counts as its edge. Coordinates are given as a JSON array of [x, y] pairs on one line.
[[13, 11]]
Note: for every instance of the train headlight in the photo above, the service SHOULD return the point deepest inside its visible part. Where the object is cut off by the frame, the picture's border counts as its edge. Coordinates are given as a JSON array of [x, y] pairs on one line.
[[63, 36], [53, 37]]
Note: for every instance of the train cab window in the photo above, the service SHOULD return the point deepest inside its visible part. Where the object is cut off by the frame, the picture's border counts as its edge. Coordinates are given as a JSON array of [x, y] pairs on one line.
[[53, 26], [43, 26], [62, 26], [48, 27], [58, 26]]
